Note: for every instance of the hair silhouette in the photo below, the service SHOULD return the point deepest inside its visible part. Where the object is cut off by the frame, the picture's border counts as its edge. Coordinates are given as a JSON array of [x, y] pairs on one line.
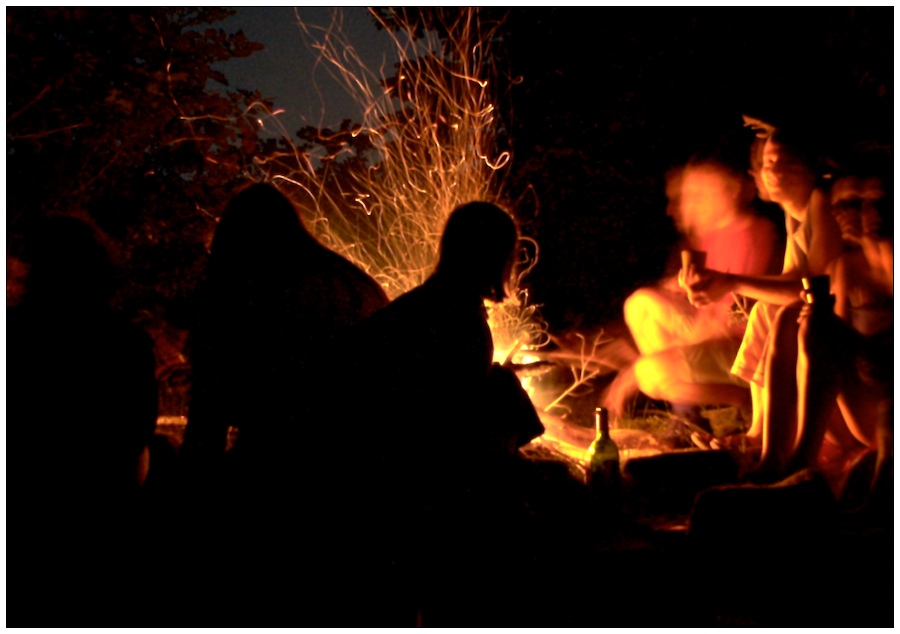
[[477, 247]]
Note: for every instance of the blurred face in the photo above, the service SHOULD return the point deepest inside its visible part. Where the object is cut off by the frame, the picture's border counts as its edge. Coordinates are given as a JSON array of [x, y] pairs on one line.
[[708, 198], [855, 205], [785, 177]]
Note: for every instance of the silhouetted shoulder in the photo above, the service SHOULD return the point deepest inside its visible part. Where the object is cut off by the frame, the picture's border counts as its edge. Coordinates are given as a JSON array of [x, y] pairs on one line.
[[364, 295]]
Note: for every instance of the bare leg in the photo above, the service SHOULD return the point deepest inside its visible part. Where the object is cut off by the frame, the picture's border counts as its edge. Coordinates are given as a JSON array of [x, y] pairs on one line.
[[860, 405], [779, 432], [658, 320], [827, 377], [817, 389], [660, 376], [757, 398]]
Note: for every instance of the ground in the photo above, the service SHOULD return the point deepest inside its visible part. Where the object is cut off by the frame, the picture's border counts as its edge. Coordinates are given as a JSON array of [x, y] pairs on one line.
[[741, 556]]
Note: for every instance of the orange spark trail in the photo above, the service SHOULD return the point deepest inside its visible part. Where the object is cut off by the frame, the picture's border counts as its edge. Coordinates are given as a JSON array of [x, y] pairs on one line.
[[379, 192]]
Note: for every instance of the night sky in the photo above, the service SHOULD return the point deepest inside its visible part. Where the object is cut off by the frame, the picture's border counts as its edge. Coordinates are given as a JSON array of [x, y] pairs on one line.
[[285, 69]]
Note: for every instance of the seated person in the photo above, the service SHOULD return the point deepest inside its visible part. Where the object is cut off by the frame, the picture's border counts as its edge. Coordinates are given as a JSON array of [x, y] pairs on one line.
[[789, 171], [427, 358], [845, 356], [82, 393], [685, 352], [272, 296], [426, 425], [81, 411]]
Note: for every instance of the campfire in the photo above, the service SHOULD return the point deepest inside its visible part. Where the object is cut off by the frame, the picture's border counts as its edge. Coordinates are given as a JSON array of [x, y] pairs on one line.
[[379, 193]]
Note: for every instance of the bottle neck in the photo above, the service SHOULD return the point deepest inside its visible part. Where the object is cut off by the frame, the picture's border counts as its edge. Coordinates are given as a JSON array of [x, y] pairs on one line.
[[602, 422]]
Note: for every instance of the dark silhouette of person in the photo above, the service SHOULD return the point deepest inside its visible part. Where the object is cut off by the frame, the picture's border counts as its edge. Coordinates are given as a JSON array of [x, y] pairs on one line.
[[426, 361], [271, 304], [82, 395], [273, 296], [421, 463], [81, 409]]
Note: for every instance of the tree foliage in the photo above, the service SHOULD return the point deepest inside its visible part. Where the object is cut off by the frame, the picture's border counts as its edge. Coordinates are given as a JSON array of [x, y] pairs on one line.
[[119, 115]]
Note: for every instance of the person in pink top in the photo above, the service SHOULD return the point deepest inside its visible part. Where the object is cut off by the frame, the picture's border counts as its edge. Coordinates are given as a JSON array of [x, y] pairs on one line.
[[685, 352]]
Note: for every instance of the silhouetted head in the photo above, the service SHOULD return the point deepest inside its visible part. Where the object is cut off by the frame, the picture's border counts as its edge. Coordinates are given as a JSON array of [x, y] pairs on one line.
[[259, 222], [258, 241], [68, 266], [478, 248]]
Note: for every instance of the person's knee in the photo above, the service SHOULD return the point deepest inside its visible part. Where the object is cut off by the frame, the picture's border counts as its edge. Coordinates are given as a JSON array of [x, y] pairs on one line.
[[638, 306], [654, 321], [652, 377], [784, 330], [787, 315]]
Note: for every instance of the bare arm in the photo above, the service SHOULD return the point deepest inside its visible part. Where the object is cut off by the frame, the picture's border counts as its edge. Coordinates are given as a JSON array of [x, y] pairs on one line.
[[826, 243], [825, 246], [710, 286], [836, 273], [879, 254]]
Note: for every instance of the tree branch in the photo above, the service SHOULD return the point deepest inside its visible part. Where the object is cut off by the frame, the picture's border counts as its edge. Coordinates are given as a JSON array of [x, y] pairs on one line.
[[40, 135], [39, 96]]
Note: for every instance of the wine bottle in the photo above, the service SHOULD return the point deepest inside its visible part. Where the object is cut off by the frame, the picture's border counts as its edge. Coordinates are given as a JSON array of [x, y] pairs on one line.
[[604, 475]]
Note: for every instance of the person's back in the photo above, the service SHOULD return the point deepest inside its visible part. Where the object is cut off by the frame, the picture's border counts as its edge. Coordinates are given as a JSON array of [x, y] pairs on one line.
[[426, 357], [81, 409], [82, 396], [416, 381], [274, 297], [423, 439], [272, 300], [83, 401]]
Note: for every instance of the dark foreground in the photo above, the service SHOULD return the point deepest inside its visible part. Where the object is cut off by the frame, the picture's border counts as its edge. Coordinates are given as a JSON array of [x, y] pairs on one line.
[[762, 557]]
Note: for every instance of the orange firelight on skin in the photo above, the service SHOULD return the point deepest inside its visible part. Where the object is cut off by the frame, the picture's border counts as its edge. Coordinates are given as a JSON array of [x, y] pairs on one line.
[[710, 199], [787, 180], [853, 204]]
